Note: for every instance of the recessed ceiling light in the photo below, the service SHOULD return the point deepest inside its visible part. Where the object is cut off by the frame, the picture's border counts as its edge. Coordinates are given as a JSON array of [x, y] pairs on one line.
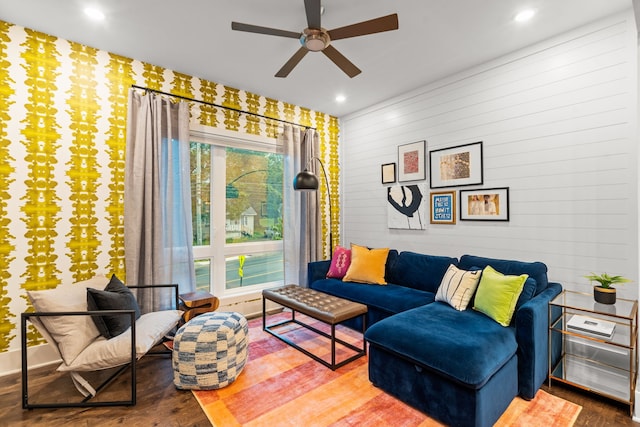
[[341, 98], [525, 15], [94, 13]]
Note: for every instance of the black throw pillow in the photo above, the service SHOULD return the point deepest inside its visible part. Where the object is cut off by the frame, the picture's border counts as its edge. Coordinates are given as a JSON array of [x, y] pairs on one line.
[[116, 296]]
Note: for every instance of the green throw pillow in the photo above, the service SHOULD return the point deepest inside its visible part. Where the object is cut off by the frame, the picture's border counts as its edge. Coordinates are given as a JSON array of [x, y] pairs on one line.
[[498, 294]]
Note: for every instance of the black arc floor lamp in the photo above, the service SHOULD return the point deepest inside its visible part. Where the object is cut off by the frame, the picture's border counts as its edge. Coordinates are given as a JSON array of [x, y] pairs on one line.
[[306, 181]]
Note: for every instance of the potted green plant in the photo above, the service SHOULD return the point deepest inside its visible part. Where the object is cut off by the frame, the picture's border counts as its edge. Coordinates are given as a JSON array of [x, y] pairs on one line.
[[604, 293]]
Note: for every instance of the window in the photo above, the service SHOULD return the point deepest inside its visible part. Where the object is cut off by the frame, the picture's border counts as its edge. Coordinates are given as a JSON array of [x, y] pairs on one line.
[[237, 217]]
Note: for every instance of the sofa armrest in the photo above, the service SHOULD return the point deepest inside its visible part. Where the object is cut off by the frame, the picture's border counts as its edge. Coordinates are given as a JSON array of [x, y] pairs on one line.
[[532, 335], [317, 270]]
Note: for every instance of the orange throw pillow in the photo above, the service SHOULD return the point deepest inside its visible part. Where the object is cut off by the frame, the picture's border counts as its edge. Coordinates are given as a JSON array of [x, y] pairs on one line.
[[367, 265]]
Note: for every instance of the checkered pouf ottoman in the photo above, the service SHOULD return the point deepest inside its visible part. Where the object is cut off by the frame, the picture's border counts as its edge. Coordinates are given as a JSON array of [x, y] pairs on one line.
[[210, 351]]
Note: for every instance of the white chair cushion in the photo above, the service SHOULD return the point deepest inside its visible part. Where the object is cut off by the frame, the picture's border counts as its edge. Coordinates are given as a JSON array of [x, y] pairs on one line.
[[103, 353], [71, 334]]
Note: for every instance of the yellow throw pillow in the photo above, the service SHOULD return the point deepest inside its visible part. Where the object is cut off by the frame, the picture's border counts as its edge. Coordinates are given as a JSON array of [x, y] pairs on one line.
[[367, 265]]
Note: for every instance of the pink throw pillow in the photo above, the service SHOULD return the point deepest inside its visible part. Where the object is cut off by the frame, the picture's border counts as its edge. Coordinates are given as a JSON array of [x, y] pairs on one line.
[[340, 263]]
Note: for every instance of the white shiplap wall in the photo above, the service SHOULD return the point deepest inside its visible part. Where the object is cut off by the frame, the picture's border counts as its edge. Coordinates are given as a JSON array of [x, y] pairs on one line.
[[558, 122]]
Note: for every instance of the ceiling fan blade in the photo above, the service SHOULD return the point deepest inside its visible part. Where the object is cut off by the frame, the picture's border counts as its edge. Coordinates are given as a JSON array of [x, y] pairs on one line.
[[341, 61], [292, 62], [238, 26], [312, 7], [378, 25]]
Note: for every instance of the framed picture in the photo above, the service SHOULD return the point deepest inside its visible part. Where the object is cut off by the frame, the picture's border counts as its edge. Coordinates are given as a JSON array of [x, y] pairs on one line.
[[456, 166], [411, 161], [388, 173], [486, 204], [407, 206], [443, 207]]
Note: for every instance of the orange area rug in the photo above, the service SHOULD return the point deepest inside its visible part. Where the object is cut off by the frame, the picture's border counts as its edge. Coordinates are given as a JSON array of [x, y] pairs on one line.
[[280, 386]]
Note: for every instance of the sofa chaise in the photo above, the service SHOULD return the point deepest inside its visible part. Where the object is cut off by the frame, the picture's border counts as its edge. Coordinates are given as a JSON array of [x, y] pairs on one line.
[[459, 366]]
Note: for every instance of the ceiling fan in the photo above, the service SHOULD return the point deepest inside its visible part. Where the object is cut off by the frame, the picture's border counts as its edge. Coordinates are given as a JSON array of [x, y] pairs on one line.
[[314, 38]]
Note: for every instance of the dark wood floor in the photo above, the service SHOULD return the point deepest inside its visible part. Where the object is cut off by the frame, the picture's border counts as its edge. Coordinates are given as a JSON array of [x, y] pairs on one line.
[[160, 404], [596, 410]]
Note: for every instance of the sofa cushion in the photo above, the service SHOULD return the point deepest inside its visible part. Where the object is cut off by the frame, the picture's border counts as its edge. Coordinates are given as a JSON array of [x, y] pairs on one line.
[[498, 294], [429, 336], [458, 286], [390, 298], [419, 271], [392, 257], [367, 265], [528, 291], [536, 270], [103, 353], [340, 262]]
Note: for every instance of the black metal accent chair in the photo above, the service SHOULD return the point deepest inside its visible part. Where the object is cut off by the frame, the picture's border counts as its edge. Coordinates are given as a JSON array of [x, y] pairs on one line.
[[143, 334]]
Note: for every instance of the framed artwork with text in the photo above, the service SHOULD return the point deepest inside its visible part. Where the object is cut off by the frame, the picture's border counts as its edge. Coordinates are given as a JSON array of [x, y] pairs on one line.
[[443, 207]]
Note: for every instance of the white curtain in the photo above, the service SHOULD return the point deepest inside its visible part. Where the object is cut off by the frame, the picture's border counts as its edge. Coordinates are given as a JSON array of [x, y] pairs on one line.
[[302, 219], [157, 198]]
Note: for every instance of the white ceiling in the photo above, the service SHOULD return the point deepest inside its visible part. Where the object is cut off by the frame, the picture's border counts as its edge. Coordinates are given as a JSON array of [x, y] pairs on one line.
[[436, 38]]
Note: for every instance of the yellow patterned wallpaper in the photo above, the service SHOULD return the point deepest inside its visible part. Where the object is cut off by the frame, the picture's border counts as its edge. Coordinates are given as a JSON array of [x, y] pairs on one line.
[[7, 169], [63, 111]]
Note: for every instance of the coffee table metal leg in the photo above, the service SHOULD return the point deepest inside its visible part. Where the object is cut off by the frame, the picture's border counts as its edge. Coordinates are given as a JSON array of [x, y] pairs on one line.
[[333, 345], [333, 365], [264, 314]]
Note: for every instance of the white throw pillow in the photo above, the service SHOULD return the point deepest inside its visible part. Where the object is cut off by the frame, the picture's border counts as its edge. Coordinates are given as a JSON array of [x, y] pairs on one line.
[[103, 353], [71, 334], [458, 286]]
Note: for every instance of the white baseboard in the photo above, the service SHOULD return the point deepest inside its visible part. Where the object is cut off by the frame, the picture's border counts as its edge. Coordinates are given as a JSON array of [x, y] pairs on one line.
[[41, 355], [249, 305]]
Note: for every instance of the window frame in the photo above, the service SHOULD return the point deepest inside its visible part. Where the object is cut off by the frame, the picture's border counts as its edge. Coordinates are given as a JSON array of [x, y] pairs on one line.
[[215, 252]]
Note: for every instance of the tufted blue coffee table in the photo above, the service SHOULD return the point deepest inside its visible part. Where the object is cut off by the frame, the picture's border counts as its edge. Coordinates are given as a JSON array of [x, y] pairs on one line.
[[320, 306]]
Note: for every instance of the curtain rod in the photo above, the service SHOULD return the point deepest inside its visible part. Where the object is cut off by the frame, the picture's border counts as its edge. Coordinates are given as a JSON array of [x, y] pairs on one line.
[[219, 106]]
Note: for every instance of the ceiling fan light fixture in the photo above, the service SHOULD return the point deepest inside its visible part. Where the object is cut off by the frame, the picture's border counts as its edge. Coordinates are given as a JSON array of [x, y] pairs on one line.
[[315, 40]]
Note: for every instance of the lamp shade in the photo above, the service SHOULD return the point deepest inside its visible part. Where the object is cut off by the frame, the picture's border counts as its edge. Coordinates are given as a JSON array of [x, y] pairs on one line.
[[305, 180]]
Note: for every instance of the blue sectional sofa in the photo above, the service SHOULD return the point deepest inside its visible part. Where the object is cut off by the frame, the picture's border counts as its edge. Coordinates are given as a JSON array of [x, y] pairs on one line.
[[460, 367]]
